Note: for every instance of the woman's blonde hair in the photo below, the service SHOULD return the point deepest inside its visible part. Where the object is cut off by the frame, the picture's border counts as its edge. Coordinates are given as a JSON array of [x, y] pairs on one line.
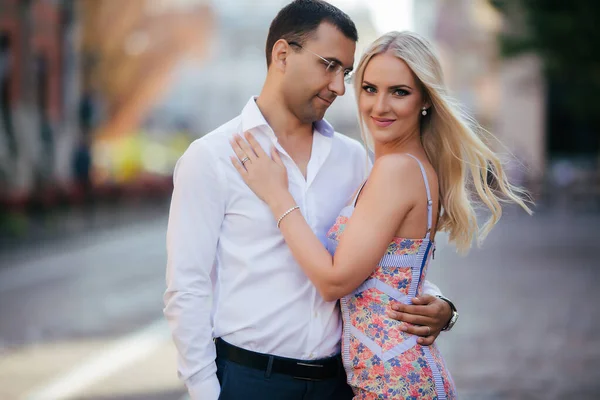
[[466, 166]]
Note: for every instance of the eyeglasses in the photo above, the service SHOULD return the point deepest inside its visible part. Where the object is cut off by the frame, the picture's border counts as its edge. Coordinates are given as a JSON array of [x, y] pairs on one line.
[[332, 67]]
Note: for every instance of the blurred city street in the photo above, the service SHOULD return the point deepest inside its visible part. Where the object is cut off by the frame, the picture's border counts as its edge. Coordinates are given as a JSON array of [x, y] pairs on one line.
[[528, 304], [82, 318]]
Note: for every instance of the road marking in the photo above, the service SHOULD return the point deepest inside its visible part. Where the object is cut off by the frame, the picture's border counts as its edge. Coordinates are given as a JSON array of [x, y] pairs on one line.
[[122, 353]]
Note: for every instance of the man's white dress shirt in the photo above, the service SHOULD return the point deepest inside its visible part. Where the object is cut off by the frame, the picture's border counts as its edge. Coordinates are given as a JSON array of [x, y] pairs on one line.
[[230, 273]]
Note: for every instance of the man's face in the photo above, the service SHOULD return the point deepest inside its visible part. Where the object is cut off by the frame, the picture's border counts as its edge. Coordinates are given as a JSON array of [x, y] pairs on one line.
[[309, 88]]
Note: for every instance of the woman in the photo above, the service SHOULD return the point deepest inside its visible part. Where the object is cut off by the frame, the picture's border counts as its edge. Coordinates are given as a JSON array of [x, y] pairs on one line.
[[429, 165]]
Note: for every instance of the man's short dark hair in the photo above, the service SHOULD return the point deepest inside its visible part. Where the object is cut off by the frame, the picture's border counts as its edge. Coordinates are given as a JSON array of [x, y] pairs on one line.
[[297, 21]]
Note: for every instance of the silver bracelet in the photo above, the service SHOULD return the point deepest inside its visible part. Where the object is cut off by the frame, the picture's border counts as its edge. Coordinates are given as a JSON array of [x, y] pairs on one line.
[[285, 214]]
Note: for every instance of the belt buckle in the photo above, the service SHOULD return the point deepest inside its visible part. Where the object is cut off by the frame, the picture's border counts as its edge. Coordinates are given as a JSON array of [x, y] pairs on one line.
[[308, 365]]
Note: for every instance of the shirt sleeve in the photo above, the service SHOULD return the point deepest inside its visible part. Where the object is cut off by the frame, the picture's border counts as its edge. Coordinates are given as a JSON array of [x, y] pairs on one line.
[[431, 289], [195, 217]]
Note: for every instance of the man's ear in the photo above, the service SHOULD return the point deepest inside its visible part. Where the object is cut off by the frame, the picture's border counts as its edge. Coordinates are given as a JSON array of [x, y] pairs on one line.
[[279, 54]]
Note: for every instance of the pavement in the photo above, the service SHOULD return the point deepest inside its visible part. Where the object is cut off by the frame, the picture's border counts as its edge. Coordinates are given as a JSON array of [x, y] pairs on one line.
[[25, 230], [81, 315], [81, 318], [529, 317]]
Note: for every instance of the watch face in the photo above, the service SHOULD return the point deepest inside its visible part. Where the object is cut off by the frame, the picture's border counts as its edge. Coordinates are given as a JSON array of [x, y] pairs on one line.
[[453, 320]]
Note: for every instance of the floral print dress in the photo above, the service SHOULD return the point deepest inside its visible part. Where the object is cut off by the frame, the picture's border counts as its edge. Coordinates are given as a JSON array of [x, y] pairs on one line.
[[381, 361]]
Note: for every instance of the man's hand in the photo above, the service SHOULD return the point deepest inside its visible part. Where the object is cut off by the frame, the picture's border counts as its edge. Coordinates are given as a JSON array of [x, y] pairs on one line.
[[425, 317]]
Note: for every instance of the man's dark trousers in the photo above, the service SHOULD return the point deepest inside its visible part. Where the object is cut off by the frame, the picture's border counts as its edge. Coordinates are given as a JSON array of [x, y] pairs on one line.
[[239, 382]]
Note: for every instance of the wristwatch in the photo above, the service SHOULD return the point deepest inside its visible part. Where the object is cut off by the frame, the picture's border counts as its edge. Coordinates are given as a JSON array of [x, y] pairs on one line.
[[454, 317]]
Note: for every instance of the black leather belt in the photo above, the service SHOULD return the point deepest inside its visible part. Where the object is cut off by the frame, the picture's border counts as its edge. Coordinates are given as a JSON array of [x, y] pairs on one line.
[[312, 370]]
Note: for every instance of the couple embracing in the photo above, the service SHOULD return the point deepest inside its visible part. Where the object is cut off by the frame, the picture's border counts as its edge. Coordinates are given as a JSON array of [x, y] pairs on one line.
[[296, 264]]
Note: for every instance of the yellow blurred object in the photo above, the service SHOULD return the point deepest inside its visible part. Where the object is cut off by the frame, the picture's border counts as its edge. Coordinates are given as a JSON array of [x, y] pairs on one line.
[[127, 158], [122, 160]]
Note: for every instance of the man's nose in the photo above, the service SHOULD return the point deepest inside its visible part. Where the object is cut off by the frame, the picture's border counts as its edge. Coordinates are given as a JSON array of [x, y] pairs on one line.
[[337, 84]]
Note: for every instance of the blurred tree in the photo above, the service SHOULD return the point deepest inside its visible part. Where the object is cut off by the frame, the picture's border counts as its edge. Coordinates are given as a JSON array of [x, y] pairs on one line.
[[565, 35]]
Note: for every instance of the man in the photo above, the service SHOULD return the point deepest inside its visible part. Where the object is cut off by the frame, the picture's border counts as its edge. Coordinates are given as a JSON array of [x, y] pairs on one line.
[[230, 274]]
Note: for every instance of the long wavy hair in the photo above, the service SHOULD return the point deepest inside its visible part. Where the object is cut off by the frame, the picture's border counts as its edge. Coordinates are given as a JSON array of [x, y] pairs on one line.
[[468, 169]]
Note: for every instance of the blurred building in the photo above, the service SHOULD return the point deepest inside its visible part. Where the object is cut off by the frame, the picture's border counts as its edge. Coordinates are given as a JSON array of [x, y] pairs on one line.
[[132, 68], [101, 92], [511, 96], [132, 64], [76, 73], [507, 96], [38, 85]]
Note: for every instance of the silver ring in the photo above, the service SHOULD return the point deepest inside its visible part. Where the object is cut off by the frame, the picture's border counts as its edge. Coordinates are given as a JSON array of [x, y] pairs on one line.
[[428, 331], [245, 160]]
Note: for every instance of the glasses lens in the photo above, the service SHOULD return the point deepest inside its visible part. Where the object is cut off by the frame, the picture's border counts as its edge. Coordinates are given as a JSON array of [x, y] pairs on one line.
[[348, 76]]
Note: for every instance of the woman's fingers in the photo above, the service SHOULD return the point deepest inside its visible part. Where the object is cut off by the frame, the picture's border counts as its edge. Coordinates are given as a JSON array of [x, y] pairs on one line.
[[237, 149], [246, 147], [250, 152], [276, 157], [238, 166], [418, 330], [426, 341], [254, 145], [410, 318]]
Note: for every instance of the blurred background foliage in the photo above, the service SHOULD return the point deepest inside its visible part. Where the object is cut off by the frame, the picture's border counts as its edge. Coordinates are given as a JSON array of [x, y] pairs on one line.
[[566, 36]]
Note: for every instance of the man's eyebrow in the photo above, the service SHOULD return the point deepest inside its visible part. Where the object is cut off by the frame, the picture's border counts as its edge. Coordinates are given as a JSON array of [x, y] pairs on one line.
[[339, 62]]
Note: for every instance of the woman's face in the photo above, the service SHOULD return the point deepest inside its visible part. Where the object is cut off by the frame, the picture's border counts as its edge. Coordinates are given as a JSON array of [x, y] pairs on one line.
[[390, 100]]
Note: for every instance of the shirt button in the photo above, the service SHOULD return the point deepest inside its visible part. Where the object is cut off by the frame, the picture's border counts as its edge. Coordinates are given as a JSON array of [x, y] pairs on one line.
[[316, 314], [311, 355]]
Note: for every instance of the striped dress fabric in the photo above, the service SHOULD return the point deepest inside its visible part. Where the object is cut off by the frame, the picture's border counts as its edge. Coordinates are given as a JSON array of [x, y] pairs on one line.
[[381, 361]]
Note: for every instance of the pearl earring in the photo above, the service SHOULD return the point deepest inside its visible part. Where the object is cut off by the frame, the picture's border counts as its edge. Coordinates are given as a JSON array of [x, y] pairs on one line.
[[424, 112]]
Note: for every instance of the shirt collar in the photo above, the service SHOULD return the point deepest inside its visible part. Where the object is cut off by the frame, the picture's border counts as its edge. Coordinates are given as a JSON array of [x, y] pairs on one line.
[[324, 128], [253, 118]]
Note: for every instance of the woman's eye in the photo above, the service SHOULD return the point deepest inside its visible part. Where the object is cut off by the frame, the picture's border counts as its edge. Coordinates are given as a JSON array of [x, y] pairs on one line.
[[400, 92], [369, 89]]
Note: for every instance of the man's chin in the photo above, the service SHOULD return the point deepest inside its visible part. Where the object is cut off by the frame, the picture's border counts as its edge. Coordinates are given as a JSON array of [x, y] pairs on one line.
[[319, 114], [313, 114]]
